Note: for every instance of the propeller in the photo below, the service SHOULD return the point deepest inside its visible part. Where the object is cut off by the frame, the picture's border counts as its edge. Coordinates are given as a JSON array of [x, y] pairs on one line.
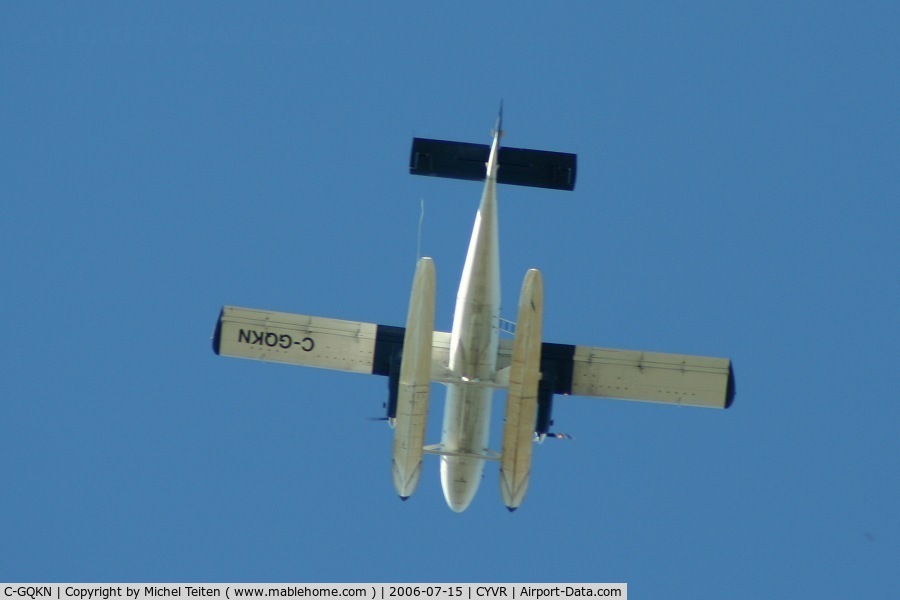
[[540, 437]]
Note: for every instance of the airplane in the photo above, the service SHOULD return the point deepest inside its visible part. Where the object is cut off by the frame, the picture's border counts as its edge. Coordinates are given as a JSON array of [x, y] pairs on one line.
[[473, 360]]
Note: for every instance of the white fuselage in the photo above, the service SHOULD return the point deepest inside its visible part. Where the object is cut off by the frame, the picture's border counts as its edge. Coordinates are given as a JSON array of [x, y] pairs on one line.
[[473, 353]]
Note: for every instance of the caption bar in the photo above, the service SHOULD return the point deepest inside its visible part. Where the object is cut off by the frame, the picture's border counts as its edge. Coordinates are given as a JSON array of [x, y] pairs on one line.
[[361, 591]]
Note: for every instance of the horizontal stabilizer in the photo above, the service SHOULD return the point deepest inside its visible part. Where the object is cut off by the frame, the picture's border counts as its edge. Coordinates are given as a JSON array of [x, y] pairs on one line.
[[460, 160]]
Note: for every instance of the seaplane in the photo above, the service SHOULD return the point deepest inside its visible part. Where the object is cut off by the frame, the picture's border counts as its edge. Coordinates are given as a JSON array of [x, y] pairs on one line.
[[474, 360]]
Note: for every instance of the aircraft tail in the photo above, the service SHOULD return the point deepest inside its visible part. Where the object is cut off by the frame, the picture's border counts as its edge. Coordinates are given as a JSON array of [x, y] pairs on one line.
[[518, 166]]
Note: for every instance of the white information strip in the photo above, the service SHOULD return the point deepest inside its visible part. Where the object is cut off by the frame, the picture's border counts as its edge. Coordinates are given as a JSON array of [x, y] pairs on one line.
[[368, 591]]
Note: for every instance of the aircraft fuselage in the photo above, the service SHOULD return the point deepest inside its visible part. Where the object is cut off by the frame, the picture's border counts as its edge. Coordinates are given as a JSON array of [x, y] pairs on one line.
[[473, 353]]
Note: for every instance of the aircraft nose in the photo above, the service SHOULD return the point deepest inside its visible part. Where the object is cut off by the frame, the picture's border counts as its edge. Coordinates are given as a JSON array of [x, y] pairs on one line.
[[459, 479], [458, 504]]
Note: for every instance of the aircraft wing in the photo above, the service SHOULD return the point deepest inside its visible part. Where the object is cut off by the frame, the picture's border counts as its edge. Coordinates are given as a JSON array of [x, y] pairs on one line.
[[374, 349], [310, 341], [634, 375]]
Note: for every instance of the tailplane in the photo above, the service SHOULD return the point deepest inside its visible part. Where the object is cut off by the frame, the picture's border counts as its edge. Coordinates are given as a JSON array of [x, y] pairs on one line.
[[517, 166]]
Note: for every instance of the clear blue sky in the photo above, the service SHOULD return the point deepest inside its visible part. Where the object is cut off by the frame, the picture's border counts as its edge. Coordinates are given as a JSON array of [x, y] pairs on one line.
[[737, 196]]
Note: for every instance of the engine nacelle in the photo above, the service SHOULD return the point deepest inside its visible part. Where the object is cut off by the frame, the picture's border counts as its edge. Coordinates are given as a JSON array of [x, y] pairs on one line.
[[556, 378], [393, 387], [545, 406]]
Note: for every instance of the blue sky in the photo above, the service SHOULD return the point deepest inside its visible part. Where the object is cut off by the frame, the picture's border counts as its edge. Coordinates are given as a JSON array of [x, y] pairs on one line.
[[737, 196]]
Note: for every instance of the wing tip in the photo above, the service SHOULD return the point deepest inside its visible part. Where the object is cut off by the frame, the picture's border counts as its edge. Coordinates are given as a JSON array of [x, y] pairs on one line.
[[731, 390], [217, 334]]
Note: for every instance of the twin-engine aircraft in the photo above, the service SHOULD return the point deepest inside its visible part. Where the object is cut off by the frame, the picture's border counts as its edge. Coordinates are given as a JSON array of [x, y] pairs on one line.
[[473, 360]]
